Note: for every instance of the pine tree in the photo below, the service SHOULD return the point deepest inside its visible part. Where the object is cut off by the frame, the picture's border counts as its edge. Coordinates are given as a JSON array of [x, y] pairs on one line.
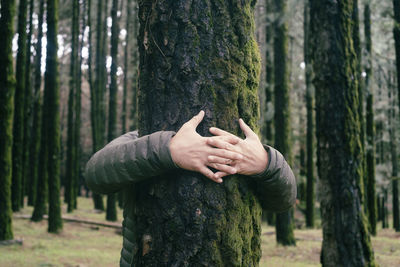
[[7, 88], [284, 221], [310, 196], [18, 123], [370, 125], [34, 150], [52, 94], [211, 66], [346, 240], [134, 66], [28, 107], [111, 214], [70, 176]]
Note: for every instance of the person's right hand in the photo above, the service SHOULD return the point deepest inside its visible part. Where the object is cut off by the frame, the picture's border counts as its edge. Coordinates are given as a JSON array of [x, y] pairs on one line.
[[190, 151]]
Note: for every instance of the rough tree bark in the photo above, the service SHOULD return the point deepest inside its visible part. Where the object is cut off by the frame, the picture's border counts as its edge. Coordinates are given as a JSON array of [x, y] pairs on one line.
[[197, 55], [111, 213], [7, 89], [370, 125], [310, 196], [71, 175], [18, 122], [284, 221], [52, 142], [346, 240], [34, 152]]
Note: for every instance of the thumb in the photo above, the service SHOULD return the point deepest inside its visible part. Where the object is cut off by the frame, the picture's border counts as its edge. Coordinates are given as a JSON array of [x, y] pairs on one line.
[[248, 132], [195, 121]]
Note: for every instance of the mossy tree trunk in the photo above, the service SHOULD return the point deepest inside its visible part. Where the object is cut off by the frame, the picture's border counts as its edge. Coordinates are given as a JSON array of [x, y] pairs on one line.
[[310, 196], [370, 125], [111, 213], [284, 221], [28, 107], [18, 122], [71, 175], [269, 85], [34, 149], [97, 93], [196, 55], [346, 240], [52, 141], [393, 153], [396, 33], [39, 148], [7, 89], [134, 66]]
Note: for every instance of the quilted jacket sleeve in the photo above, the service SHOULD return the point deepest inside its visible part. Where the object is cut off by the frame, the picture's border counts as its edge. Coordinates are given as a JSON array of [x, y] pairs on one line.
[[129, 159], [276, 186]]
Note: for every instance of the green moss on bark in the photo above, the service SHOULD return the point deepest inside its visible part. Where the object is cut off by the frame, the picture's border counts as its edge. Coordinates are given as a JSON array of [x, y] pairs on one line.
[[346, 240], [7, 88], [196, 55]]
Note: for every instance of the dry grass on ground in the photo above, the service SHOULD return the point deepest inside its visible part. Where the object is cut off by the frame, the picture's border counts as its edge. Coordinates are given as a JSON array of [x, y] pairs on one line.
[[84, 245]]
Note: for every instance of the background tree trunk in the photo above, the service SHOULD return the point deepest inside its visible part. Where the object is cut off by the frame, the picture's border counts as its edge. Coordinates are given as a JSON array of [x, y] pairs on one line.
[[310, 196], [7, 89], [346, 241], [370, 125], [284, 221], [134, 65], [18, 123], [52, 142], [111, 214], [39, 163], [70, 175], [188, 63]]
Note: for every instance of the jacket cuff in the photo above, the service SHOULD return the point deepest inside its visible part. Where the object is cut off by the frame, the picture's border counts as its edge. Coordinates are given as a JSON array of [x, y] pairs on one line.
[[165, 153], [271, 162]]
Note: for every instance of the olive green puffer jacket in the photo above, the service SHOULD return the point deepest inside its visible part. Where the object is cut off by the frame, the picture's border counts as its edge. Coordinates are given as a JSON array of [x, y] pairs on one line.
[[129, 159]]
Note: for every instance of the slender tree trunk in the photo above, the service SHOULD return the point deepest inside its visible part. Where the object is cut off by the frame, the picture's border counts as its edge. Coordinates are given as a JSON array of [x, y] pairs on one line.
[[188, 64], [96, 94], [310, 218], [28, 108], [38, 149], [269, 72], [7, 88], [53, 118], [370, 129], [111, 214], [70, 175], [18, 123], [284, 221], [346, 240], [134, 66]]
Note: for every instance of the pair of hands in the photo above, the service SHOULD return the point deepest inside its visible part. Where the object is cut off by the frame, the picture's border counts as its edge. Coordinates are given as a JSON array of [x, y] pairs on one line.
[[225, 152]]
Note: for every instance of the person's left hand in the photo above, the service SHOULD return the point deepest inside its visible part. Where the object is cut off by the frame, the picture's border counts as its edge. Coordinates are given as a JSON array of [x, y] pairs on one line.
[[255, 158]]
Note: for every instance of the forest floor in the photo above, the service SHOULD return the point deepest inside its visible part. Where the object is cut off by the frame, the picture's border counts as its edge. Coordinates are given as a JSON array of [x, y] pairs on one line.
[[88, 245]]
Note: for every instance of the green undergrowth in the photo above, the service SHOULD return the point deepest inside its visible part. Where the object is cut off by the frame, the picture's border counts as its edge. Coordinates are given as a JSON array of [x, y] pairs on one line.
[[84, 245]]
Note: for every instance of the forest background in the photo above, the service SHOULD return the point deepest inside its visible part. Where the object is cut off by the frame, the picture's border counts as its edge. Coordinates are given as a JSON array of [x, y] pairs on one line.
[[92, 98]]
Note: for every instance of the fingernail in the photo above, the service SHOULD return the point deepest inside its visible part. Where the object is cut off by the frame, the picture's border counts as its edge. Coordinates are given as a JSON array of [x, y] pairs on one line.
[[219, 180]]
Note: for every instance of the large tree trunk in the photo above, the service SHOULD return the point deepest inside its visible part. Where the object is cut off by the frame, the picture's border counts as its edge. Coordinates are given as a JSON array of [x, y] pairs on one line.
[[370, 125], [18, 123], [39, 179], [284, 221], [111, 213], [7, 88], [51, 89], [310, 120], [346, 241], [197, 55]]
